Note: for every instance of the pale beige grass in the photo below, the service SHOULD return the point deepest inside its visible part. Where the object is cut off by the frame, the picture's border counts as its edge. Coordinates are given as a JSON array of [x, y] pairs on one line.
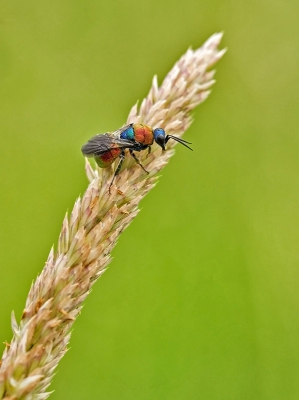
[[91, 231]]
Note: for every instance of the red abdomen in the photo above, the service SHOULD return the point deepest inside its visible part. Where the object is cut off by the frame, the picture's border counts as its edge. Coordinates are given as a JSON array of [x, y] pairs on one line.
[[107, 158], [143, 134]]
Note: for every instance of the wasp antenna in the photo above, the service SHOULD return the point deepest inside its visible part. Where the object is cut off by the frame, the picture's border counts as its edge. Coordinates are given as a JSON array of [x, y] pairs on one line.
[[179, 140]]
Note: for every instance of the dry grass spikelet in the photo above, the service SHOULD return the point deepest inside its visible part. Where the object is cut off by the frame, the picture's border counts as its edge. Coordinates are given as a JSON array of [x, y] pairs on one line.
[[90, 232]]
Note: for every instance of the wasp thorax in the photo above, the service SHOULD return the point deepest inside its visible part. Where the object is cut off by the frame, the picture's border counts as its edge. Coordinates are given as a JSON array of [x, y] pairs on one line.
[[159, 135]]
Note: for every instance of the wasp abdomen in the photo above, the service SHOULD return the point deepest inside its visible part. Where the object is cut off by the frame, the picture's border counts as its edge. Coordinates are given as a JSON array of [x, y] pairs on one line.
[[107, 158]]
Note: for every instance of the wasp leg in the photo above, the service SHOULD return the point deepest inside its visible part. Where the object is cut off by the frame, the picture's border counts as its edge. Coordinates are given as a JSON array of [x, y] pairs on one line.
[[149, 150], [137, 161], [121, 160]]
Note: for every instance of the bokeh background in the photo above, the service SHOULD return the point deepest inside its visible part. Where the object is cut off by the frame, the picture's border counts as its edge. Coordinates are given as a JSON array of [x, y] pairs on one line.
[[201, 300]]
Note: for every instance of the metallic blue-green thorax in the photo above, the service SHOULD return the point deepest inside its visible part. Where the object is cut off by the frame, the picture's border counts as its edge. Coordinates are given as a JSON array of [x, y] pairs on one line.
[[128, 133]]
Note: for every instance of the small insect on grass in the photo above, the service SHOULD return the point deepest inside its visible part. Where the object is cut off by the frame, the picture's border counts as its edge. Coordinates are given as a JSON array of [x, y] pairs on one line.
[[107, 147]]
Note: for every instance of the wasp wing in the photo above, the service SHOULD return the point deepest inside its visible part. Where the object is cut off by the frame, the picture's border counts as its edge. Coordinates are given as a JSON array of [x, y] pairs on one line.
[[101, 143]]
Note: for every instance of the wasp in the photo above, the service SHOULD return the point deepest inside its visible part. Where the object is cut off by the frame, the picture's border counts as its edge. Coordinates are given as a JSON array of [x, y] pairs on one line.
[[107, 147]]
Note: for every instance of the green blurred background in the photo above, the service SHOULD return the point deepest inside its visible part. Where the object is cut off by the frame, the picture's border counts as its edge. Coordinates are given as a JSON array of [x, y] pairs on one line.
[[201, 300]]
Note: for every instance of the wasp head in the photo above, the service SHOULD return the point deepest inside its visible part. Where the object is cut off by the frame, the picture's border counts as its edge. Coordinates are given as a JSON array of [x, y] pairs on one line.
[[159, 135], [162, 139]]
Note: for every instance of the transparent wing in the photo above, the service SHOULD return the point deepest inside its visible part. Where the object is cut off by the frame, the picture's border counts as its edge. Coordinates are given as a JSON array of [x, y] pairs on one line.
[[101, 143]]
